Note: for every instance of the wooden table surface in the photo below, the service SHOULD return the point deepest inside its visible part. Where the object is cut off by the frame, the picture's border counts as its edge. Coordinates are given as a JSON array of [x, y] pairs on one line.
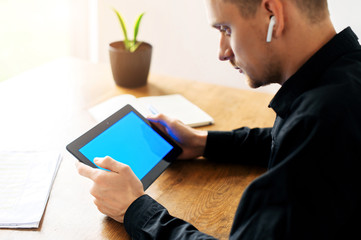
[[47, 107]]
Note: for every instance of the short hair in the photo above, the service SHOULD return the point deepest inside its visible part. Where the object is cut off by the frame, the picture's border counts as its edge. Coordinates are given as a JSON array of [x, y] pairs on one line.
[[315, 10], [247, 8]]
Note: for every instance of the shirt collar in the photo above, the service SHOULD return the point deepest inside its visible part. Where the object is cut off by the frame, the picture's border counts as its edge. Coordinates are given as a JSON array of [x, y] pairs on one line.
[[308, 75]]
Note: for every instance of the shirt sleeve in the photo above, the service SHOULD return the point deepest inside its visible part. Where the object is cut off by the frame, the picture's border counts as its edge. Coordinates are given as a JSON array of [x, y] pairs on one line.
[[147, 219], [243, 145]]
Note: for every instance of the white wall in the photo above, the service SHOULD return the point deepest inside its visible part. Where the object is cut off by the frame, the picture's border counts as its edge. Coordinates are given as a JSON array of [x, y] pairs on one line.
[[79, 28], [184, 45], [346, 13]]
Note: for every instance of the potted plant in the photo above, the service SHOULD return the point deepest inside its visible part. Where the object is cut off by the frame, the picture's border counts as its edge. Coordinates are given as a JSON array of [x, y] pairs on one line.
[[130, 59]]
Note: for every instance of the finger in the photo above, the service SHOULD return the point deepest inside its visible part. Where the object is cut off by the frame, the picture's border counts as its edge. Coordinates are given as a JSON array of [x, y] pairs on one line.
[[113, 212], [163, 122], [86, 171], [160, 127], [103, 208], [110, 164], [153, 118], [160, 118]]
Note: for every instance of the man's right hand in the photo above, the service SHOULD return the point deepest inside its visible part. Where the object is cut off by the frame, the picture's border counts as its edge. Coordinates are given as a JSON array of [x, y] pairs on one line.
[[192, 141]]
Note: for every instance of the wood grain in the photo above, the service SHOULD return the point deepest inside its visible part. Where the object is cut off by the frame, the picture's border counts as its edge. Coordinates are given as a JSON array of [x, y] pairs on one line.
[[46, 108]]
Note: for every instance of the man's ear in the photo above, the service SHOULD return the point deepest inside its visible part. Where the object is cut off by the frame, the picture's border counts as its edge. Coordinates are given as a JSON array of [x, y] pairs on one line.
[[274, 8]]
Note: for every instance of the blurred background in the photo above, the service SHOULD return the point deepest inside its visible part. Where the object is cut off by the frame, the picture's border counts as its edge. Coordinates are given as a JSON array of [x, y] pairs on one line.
[[184, 45]]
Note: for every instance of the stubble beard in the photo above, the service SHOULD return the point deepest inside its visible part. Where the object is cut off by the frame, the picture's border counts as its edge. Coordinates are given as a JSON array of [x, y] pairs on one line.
[[271, 73]]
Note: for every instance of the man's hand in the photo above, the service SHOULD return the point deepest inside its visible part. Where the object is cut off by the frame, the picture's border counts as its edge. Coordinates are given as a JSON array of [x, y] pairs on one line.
[[192, 141], [113, 191]]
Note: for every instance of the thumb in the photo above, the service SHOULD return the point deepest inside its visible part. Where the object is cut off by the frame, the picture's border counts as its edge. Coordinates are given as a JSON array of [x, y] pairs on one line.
[[108, 163], [159, 118]]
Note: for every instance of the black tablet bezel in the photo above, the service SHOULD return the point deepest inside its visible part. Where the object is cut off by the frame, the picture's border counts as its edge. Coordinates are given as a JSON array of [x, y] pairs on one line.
[[84, 139]]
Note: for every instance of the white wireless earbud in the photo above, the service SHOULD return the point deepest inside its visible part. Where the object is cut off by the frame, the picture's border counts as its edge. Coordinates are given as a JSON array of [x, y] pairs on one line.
[[270, 29]]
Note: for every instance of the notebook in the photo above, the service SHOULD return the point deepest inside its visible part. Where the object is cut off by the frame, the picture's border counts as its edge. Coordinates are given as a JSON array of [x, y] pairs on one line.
[[175, 106]]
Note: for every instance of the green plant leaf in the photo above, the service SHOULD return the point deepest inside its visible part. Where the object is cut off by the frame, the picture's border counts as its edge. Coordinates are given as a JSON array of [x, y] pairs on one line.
[[136, 27], [134, 47], [134, 44], [122, 24]]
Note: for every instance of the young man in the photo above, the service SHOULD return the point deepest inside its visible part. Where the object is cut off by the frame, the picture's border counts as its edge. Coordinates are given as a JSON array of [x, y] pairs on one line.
[[313, 153]]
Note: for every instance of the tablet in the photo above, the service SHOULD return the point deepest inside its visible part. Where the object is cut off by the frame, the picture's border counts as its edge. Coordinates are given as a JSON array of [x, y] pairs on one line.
[[128, 137]]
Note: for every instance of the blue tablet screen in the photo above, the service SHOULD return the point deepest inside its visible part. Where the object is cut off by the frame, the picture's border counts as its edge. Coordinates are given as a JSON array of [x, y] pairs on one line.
[[130, 141]]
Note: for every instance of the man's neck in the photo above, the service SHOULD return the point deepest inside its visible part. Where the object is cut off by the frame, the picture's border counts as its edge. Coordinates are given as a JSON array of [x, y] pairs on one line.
[[303, 43]]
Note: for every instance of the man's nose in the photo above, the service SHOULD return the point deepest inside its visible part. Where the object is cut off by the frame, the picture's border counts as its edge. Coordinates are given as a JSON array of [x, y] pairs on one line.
[[226, 55], [225, 50]]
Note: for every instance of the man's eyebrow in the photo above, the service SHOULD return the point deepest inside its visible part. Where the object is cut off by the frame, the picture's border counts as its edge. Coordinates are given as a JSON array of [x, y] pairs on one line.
[[218, 25]]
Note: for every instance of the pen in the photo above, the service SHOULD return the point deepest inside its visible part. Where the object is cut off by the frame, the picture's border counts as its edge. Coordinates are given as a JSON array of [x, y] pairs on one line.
[[152, 109]]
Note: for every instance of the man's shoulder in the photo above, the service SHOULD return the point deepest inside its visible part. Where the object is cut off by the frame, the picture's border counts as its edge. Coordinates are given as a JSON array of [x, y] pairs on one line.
[[338, 91], [344, 71]]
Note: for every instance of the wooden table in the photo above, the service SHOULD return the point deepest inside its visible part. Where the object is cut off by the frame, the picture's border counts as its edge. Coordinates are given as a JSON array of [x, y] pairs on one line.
[[46, 108]]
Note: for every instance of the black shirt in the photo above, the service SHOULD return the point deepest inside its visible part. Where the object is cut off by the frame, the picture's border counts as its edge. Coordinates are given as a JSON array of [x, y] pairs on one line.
[[312, 189]]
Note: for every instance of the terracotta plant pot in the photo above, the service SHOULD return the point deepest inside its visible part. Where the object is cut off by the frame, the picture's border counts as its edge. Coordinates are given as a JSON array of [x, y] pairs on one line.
[[130, 69]]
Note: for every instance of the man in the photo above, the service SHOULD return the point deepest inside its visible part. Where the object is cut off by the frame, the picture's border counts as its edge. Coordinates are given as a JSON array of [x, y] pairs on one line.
[[312, 189]]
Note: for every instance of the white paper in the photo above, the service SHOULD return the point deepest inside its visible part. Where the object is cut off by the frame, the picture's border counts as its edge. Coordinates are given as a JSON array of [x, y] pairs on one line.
[[26, 179]]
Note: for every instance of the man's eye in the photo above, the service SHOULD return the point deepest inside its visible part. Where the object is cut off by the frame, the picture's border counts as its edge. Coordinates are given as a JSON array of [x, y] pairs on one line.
[[225, 30]]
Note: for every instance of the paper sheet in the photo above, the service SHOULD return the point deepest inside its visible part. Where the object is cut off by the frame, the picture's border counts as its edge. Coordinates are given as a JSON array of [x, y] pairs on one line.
[[26, 179]]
